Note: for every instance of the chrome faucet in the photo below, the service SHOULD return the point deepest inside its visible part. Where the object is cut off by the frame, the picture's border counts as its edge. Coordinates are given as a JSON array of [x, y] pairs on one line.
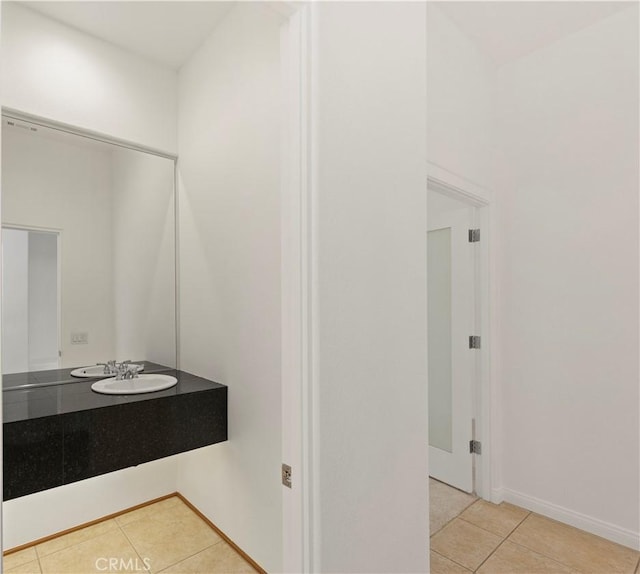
[[109, 367], [130, 374], [125, 371]]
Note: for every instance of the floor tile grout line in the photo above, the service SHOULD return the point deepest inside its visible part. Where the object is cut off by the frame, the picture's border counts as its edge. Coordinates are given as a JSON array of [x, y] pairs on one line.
[[120, 526], [35, 546], [491, 531], [555, 559], [21, 563], [452, 519], [504, 538], [132, 545], [181, 559], [490, 555], [452, 560], [508, 538], [537, 551], [190, 556], [574, 568], [580, 530], [66, 548]]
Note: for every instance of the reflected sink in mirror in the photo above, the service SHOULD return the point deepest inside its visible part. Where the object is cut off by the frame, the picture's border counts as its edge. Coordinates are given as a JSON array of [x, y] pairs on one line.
[[97, 371], [137, 385]]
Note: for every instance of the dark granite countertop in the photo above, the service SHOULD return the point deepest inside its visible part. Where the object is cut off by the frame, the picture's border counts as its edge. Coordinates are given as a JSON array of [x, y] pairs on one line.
[[73, 395]]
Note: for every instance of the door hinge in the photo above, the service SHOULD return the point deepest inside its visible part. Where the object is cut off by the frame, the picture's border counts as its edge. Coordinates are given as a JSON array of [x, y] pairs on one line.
[[475, 447], [286, 475], [474, 235], [474, 341]]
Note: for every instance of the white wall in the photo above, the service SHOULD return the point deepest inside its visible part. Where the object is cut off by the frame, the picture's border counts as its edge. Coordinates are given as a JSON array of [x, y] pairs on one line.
[[59, 184], [460, 80], [230, 271], [568, 199], [370, 222], [144, 257], [57, 72]]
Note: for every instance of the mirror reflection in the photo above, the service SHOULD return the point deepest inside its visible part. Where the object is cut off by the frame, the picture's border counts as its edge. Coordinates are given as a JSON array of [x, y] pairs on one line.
[[88, 252]]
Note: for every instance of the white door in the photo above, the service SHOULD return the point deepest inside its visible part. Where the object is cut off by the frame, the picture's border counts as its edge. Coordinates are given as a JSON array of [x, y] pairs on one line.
[[451, 300]]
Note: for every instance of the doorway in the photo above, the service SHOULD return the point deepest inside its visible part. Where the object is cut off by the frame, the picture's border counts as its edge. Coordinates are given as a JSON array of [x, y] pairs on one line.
[[461, 396], [452, 338], [30, 300]]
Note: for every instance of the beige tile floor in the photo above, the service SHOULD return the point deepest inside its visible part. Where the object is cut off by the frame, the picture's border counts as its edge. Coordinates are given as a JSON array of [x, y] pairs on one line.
[[167, 536], [471, 535], [468, 535]]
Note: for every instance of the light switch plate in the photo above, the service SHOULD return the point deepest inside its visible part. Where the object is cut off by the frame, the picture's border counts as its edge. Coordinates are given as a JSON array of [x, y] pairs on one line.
[[80, 338]]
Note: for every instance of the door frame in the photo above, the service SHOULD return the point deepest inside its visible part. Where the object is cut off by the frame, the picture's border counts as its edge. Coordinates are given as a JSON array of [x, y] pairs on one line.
[[58, 233], [485, 396], [300, 528]]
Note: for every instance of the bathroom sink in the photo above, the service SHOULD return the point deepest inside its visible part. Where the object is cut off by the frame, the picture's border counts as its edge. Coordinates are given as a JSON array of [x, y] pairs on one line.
[[97, 371], [138, 385]]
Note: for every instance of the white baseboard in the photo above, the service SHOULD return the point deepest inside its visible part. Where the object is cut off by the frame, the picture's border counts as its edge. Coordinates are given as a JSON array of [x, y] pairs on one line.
[[582, 521]]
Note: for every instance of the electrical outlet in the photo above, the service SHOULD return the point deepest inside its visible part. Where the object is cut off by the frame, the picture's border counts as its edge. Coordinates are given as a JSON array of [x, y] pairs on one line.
[[80, 338]]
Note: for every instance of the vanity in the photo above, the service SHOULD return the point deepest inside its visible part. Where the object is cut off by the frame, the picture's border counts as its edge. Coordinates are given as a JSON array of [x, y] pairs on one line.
[[58, 431]]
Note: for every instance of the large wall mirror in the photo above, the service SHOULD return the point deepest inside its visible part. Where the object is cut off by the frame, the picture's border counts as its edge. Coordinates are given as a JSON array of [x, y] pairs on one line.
[[88, 252]]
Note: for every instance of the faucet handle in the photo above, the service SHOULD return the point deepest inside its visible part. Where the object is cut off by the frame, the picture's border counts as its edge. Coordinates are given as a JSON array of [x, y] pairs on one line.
[[130, 372]]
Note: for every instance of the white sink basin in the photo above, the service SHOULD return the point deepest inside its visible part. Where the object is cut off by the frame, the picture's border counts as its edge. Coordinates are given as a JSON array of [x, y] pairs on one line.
[[138, 385], [97, 371]]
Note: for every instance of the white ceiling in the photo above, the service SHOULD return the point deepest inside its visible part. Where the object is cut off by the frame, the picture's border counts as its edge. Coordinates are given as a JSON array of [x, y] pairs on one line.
[[509, 30], [166, 32]]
